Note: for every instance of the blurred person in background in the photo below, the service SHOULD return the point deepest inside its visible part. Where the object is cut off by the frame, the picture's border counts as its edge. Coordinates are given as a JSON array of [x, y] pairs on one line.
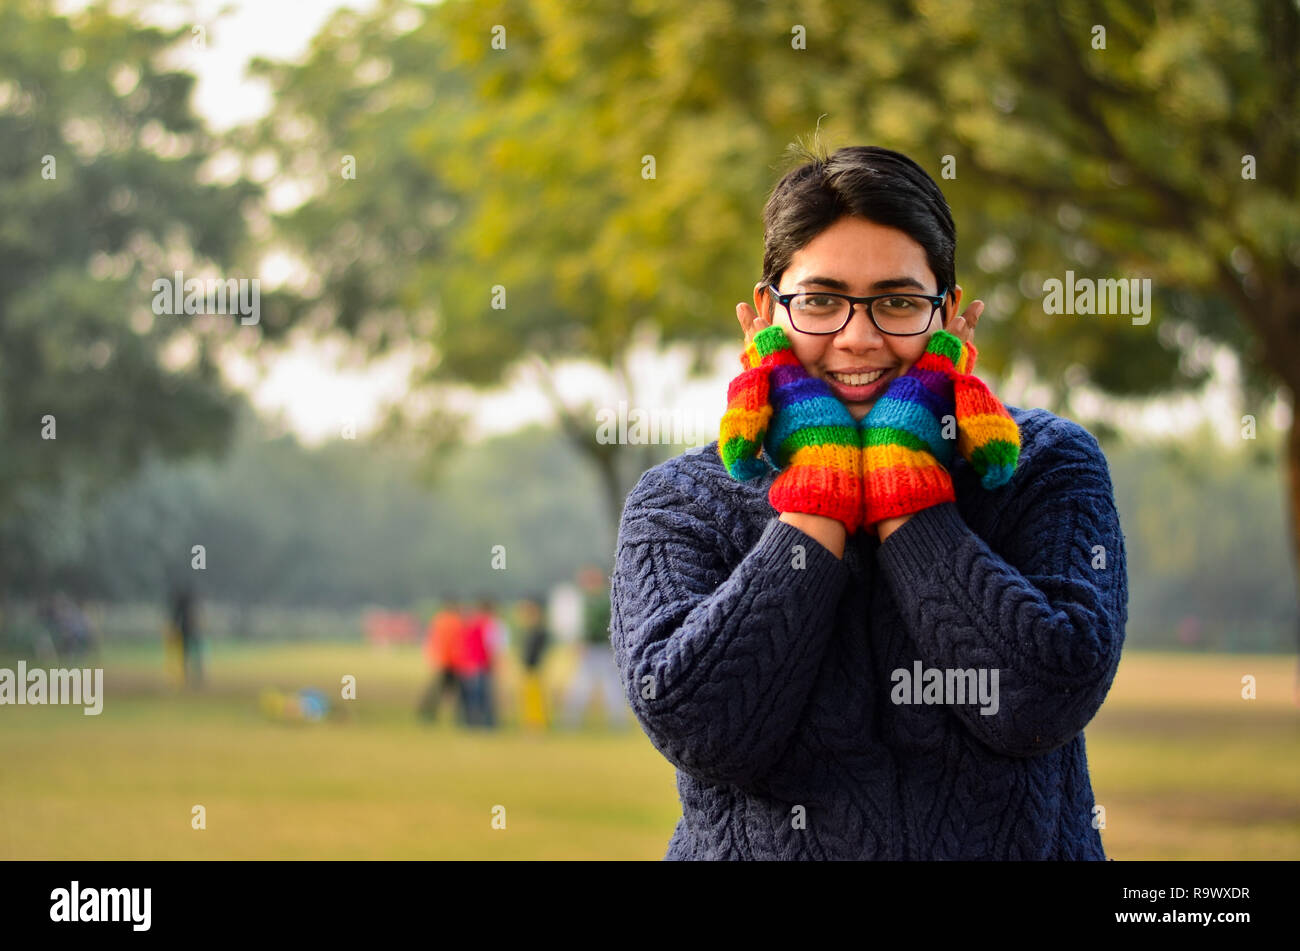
[[484, 637], [185, 621], [497, 639], [596, 669], [534, 641], [64, 630], [443, 646], [45, 639], [74, 638]]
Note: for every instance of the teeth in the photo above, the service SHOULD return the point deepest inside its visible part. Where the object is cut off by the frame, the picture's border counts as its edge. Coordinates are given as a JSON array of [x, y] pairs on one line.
[[858, 379]]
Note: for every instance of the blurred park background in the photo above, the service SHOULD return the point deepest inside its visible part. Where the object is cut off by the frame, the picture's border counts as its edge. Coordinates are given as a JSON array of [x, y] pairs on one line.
[[484, 229]]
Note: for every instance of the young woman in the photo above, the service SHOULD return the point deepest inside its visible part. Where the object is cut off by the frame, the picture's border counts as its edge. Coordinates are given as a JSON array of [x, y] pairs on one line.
[[873, 619]]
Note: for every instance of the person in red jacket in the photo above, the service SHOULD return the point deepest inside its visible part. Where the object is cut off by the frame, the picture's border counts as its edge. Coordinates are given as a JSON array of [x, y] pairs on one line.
[[444, 646], [484, 638]]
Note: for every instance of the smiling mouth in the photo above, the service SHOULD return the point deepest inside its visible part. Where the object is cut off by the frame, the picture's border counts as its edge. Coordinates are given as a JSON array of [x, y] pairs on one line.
[[856, 379]]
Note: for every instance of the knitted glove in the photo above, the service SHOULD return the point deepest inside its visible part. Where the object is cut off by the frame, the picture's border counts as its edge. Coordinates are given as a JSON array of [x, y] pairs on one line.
[[904, 449], [808, 434], [744, 424], [987, 437]]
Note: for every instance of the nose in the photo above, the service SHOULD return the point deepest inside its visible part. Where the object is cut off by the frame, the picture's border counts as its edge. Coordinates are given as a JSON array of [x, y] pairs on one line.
[[859, 333]]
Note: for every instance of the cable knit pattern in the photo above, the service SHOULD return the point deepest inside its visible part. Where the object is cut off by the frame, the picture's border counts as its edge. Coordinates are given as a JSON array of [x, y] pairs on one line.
[[768, 685]]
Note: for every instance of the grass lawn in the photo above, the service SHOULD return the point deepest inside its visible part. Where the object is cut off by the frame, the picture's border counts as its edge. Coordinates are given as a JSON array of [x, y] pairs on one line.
[[1184, 767]]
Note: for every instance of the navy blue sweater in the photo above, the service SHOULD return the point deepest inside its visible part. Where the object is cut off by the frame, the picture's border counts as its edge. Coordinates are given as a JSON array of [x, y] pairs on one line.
[[770, 672]]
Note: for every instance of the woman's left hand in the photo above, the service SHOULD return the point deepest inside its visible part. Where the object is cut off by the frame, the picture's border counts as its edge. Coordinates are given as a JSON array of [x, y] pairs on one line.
[[963, 325]]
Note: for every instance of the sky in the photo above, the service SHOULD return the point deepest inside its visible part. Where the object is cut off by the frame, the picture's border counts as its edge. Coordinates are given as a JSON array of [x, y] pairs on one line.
[[306, 386]]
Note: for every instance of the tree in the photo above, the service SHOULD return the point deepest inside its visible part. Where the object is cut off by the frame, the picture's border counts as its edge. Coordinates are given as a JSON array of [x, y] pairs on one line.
[[1127, 140], [101, 192], [604, 169]]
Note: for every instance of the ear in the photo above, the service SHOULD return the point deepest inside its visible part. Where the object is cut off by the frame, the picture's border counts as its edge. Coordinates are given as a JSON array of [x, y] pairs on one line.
[[763, 302], [952, 305]]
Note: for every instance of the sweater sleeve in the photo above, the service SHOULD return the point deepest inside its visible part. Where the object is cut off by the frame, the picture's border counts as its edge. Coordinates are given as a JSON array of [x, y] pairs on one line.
[[717, 661], [1052, 624]]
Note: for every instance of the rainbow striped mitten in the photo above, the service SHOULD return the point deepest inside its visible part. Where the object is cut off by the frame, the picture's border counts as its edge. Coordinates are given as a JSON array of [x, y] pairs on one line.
[[744, 424], [906, 446], [808, 433], [987, 437]]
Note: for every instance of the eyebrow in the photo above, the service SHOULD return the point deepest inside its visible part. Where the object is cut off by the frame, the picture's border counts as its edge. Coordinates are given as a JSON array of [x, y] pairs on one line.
[[888, 284]]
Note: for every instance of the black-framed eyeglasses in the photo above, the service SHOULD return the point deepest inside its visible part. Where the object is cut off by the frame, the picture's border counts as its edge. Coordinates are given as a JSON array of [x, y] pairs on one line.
[[822, 312]]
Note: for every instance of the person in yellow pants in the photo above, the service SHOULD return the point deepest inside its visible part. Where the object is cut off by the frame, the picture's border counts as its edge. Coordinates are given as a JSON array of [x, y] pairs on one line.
[[535, 640]]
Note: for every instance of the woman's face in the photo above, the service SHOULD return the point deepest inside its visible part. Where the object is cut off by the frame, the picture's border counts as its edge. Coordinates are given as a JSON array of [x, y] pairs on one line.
[[858, 257]]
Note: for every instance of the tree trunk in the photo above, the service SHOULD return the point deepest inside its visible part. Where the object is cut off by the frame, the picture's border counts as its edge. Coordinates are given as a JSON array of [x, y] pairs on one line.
[[1293, 496], [614, 490], [604, 458]]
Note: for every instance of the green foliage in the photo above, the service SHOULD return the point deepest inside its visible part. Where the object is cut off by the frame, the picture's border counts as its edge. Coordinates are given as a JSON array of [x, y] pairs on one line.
[[101, 192], [522, 166]]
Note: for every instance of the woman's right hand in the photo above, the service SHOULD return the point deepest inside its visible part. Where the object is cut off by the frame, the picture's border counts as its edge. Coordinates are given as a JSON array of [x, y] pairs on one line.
[[744, 425], [809, 434], [750, 322]]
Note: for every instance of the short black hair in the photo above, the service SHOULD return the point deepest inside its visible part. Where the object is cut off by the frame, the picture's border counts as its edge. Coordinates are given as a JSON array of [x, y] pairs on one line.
[[870, 182]]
